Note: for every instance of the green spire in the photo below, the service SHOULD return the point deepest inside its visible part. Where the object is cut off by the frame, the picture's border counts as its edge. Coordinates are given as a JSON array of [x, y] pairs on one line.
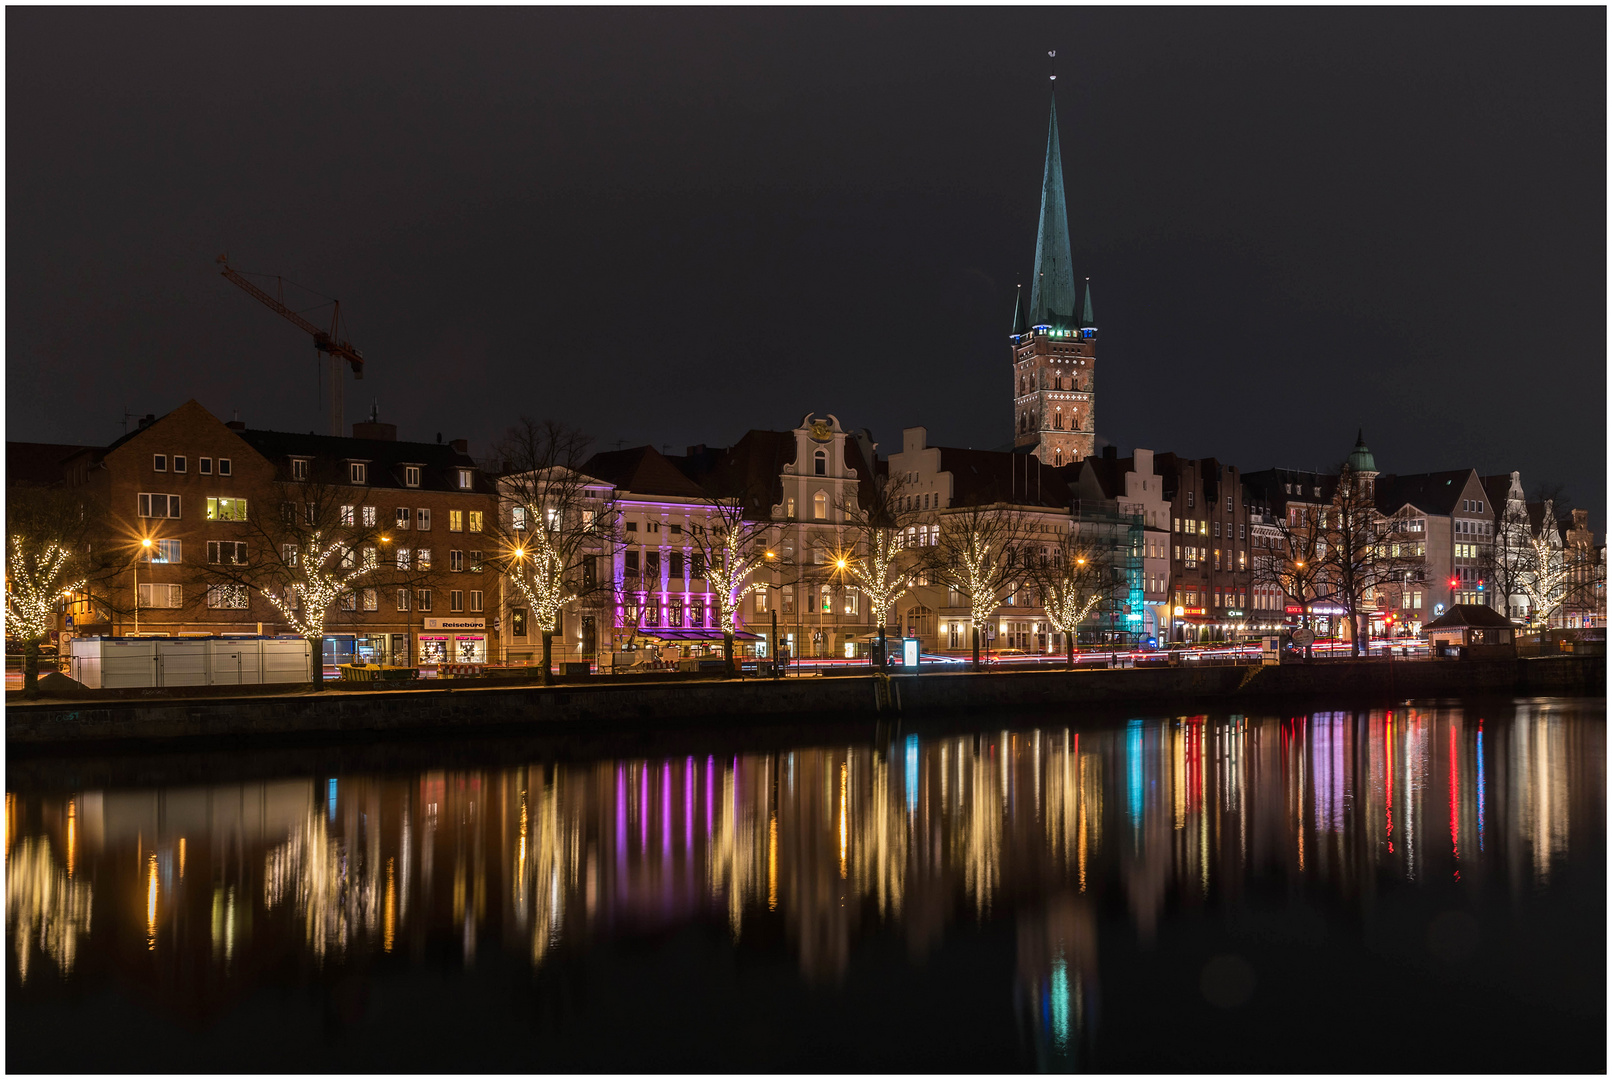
[[1018, 312], [1085, 314], [1053, 293]]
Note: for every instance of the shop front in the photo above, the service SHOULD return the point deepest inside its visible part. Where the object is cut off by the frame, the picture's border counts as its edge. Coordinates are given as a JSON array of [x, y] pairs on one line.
[[452, 641]]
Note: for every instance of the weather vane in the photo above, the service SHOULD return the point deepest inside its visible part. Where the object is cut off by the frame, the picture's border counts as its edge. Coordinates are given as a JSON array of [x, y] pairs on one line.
[[1053, 54]]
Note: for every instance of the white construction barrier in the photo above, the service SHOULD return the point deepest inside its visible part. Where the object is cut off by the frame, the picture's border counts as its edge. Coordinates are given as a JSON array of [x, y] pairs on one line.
[[105, 663]]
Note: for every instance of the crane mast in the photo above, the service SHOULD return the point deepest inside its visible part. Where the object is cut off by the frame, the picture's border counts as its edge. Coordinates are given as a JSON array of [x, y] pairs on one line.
[[327, 342]]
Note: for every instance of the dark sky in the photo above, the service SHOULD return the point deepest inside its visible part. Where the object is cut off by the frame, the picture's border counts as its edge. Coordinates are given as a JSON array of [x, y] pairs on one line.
[[670, 226]]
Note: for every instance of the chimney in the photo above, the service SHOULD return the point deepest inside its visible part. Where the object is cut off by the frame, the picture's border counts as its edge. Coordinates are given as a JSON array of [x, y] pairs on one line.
[[461, 446], [235, 425], [1111, 451], [696, 450], [147, 420], [373, 429]]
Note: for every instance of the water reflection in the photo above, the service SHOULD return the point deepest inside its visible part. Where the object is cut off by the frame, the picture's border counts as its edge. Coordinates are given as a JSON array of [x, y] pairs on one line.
[[831, 843]]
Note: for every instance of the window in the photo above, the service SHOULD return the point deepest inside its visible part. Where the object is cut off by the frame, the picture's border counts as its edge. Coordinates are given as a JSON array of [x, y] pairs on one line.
[[369, 516], [652, 565], [475, 562], [1242, 530], [226, 596], [652, 526], [229, 552], [675, 564], [159, 462], [789, 507], [852, 601], [402, 599], [630, 564], [411, 476], [372, 600], [820, 463], [820, 506], [456, 561], [697, 566], [288, 554], [226, 510], [1189, 500], [299, 468], [761, 601], [632, 526], [475, 601], [456, 521], [164, 551], [422, 558], [404, 518], [204, 466], [465, 479], [475, 521], [456, 601], [357, 472], [1217, 530], [160, 596], [1228, 504], [403, 558], [346, 515], [517, 518], [223, 466], [179, 463], [348, 559], [159, 506], [422, 519], [1480, 501], [348, 601], [424, 598], [517, 621]]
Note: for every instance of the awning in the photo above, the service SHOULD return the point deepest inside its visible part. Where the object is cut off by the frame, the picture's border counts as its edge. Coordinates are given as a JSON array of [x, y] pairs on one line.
[[696, 635]]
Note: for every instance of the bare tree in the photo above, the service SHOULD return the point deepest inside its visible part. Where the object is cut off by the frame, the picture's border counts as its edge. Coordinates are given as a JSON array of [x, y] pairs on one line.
[[733, 545], [1359, 548], [1504, 560], [311, 547], [972, 557], [1076, 578], [555, 523], [876, 518], [1295, 563]]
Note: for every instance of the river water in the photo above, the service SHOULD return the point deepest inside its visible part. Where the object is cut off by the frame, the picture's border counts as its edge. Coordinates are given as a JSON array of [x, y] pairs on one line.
[[1416, 889]]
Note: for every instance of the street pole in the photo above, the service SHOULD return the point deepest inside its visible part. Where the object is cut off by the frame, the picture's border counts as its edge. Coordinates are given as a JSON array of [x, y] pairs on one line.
[[774, 643]]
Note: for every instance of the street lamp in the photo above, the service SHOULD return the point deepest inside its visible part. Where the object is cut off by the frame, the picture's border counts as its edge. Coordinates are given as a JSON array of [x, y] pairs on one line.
[[145, 545]]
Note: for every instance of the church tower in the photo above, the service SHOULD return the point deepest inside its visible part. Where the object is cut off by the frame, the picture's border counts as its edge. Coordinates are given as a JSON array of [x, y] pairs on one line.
[[1054, 338]]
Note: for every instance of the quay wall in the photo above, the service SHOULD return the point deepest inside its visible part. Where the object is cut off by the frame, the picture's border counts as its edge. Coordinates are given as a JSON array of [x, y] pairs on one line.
[[648, 705]]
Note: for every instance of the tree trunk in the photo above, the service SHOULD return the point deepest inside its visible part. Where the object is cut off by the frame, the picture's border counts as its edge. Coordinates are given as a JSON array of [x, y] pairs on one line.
[[1069, 642], [1354, 632], [1309, 650], [316, 647], [975, 632], [880, 658], [30, 668], [548, 658], [727, 650]]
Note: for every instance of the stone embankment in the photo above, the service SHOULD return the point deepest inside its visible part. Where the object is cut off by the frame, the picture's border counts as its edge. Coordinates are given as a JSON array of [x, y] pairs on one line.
[[642, 703]]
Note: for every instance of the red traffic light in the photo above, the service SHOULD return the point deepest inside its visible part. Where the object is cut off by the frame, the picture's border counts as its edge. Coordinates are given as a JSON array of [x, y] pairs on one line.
[[1454, 582]]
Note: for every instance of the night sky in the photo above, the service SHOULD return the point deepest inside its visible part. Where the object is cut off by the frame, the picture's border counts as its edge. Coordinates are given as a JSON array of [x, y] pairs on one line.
[[670, 226]]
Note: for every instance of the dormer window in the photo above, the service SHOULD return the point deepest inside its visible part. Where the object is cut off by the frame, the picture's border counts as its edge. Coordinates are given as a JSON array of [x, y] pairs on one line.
[[357, 472], [411, 476], [299, 468], [464, 479]]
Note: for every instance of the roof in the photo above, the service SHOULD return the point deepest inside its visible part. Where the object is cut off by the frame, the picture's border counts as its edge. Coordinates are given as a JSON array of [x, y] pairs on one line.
[[1431, 493], [1498, 488], [642, 470], [1467, 615], [1269, 487], [1360, 458], [37, 462], [750, 470], [386, 458], [1052, 290], [982, 477]]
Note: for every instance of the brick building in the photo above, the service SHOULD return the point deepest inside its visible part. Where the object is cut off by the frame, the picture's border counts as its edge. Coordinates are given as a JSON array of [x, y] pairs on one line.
[[1210, 575]]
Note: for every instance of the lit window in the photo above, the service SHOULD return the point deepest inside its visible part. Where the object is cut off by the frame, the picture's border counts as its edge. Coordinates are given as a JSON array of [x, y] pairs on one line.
[[475, 601], [820, 506], [422, 558], [422, 519], [464, 479], [475, 521], [226, 510], [456, 521], [372, 600], [369, 515], [404, 517], [346, 515]]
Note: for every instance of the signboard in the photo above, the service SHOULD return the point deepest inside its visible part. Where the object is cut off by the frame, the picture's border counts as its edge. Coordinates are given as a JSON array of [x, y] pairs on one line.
[[1192, 611], [1233, 613], [1303, 638], [909, 652], [69, 622], [456, 624]]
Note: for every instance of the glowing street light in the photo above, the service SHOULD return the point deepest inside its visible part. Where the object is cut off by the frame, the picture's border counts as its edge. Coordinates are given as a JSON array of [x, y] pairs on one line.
[[145, 544]]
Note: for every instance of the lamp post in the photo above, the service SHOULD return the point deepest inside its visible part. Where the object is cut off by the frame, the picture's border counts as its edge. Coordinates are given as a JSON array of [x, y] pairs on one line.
[[145, 546], [772, 607]]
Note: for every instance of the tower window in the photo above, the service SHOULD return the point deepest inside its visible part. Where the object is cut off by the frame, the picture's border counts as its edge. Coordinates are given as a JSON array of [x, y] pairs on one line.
[[820, 464]]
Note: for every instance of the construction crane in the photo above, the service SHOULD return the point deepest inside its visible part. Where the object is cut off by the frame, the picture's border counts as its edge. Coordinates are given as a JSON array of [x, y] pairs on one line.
[[325, 341]]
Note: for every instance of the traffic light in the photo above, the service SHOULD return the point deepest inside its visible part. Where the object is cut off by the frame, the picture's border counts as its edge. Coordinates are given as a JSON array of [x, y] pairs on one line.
[[1480, 584], [1454, 581]]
